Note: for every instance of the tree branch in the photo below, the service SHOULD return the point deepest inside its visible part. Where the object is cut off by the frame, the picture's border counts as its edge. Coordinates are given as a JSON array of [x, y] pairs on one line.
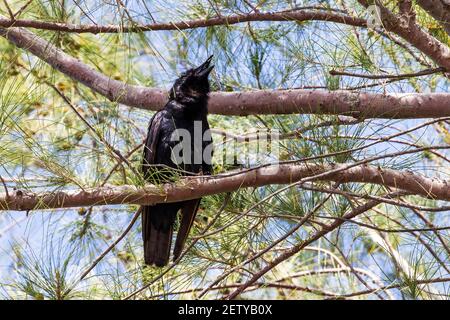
[[195, 187], [413, 33], [387, 76], [392, 286], [107, 250], [301, 245], [282, 16], [438, 10], [11, 14], [359, 105]]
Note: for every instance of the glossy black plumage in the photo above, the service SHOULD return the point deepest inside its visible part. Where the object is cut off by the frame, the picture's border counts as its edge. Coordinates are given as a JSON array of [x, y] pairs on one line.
[[187, 104]]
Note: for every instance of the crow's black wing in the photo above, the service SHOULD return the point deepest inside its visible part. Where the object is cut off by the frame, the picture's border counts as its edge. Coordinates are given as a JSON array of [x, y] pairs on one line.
[[190, 207], [157, 221], [151, 142]]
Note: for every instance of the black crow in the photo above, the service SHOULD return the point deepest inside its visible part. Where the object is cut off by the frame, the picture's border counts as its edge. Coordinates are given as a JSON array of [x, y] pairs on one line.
[[186, 112]]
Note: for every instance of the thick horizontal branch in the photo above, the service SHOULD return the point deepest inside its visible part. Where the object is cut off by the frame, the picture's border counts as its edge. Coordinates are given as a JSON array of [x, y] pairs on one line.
[[195, 187], [298, 15], [359, 105]]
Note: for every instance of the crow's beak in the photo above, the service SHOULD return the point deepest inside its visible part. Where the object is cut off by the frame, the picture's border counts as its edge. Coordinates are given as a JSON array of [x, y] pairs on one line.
[[204, 69]]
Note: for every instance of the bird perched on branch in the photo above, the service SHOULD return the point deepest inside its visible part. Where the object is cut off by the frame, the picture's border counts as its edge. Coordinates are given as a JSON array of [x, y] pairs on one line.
[[178, 137]]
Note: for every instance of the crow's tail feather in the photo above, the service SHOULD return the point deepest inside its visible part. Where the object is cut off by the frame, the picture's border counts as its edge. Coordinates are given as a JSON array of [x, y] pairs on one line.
[[188, 211], [157, 229]]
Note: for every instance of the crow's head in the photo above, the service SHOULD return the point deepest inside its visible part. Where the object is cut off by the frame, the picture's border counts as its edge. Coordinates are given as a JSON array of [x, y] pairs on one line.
[[193, 84]]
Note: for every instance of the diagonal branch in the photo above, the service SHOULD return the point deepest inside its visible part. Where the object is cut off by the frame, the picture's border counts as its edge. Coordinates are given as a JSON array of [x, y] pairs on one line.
[[438, 10], [409, 30], [300, 246], [387, 76], [107, 250], [11, 14]]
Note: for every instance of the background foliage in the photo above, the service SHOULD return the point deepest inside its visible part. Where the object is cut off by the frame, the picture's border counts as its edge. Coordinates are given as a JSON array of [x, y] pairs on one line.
[[45, 145]]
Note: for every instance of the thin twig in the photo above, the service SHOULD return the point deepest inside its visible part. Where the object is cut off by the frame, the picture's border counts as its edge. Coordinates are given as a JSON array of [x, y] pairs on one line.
[[98, 135], [19, 12], [393, 286], [303, 220], [11, 14], [283, 16], [4, 186], [388, 76], [104, 253], [210, 224], [298, 247], [432, 226], [365, 225]]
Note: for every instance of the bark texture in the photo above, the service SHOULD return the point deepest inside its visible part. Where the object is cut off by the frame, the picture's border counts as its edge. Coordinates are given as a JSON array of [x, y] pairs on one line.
[[196, 187]]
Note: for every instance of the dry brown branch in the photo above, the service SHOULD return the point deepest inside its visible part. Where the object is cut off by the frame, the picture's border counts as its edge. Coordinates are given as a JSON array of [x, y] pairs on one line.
[[194, 187]]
